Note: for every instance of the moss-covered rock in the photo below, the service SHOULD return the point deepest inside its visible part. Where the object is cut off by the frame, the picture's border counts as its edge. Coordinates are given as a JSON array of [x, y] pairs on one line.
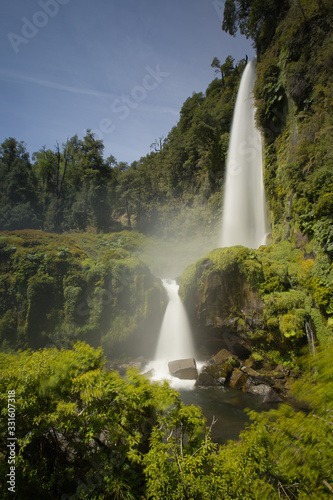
[[259, 300], [238, 379], [221, 299]]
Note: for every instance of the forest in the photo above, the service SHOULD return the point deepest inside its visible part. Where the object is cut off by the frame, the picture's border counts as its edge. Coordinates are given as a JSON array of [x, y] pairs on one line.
[[83, 242]]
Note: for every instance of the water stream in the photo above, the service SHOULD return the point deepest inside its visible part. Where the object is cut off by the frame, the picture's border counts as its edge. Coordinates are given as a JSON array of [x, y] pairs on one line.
[[174, 341], [244, 207], [310, 338]]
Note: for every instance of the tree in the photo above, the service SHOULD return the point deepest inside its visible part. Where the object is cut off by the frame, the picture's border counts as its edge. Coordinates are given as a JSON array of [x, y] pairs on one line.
[[74, 184], [81, 430], [157, 145], [19, 203], [225, 69], [255, 19]]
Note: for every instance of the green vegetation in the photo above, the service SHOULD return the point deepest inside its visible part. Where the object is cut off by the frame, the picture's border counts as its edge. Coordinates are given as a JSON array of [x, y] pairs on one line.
[[83, 432], [56, 289], [294, 290], [294, 95]]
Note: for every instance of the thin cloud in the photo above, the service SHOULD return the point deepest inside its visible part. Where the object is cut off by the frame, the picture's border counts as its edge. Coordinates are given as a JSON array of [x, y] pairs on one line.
[[159, 109], [19, 78]]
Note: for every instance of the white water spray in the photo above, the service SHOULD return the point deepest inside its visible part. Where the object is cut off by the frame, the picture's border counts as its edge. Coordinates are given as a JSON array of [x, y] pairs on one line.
[[175, 339], [244, 207]]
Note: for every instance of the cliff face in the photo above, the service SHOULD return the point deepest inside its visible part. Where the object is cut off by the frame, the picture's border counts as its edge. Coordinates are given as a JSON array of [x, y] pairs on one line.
[[227, 309]]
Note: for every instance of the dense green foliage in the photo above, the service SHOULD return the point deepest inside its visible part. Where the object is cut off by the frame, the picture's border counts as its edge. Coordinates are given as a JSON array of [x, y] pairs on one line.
[[294, 95], [83, 432], [63, 189], [255, 19], [55, 290]]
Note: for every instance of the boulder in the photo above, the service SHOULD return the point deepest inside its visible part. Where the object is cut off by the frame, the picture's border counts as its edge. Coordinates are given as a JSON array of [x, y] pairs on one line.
[[214, 375], [252, 363], [238, 379], [272, 397], [207, 380], [185, 369], [257, 390], [221, 357], [255, 378], [218, 371]]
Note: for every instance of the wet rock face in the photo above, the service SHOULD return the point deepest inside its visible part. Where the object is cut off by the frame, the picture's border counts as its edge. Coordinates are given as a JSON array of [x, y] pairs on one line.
[[228, 302], [227, 298]]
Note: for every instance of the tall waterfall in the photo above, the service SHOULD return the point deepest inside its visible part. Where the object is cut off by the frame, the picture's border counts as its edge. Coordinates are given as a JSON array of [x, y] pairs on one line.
[[174, 341], [244, 211]]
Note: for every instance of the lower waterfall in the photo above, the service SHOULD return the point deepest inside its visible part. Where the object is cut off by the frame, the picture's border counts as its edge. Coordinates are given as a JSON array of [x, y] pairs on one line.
[[174, 341]]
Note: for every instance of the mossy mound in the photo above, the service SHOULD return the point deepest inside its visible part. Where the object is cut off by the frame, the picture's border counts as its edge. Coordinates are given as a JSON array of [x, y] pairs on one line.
[[261, 300]]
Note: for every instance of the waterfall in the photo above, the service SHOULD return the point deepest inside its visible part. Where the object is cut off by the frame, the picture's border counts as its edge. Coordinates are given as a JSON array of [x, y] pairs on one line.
[[174, 341], [310, 337], [244, 208]]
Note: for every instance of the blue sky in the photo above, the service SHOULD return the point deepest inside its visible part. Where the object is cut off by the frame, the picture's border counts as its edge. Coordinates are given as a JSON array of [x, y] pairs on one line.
[[122, 68]]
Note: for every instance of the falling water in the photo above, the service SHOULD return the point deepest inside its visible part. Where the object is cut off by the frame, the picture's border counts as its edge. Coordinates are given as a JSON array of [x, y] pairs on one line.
[[244, 210], [310, 337], [175, 339]]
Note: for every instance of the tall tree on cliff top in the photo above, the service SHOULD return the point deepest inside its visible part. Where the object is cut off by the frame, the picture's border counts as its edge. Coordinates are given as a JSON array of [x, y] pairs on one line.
[[255, 19]]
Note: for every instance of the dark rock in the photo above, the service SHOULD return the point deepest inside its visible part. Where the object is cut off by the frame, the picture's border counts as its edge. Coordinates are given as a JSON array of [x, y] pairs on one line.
[[184, 369], [221, 357], [215, 374], [252, 363], [206, 380], [255, 378], [258, 390], [237, 346], [272, 397], [218, 371], [238, 379], [225, 307], [251, 372]]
